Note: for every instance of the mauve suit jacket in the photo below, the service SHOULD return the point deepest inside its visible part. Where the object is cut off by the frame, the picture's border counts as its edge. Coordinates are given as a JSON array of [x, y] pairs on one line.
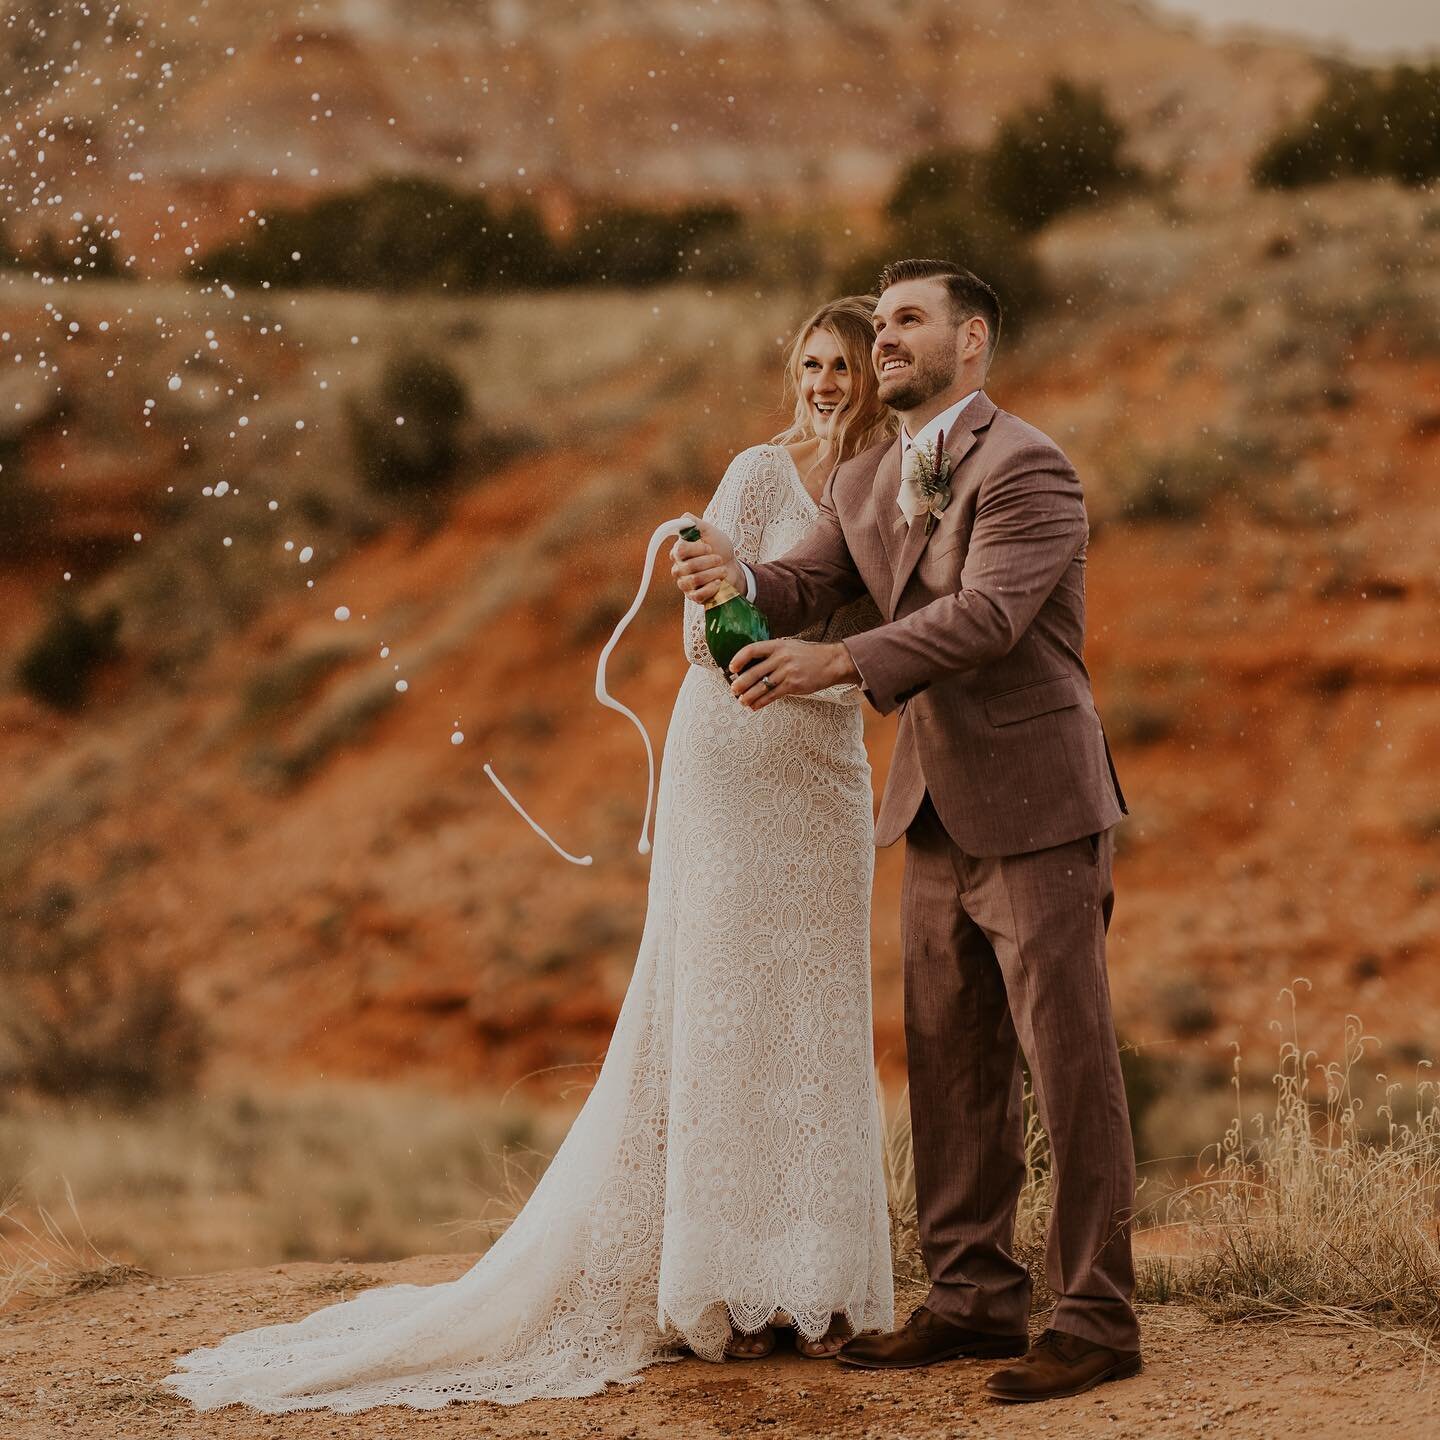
[[985, 629]]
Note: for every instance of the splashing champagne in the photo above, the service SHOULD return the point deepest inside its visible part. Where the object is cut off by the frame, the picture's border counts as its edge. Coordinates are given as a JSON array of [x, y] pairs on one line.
[[731, 621]]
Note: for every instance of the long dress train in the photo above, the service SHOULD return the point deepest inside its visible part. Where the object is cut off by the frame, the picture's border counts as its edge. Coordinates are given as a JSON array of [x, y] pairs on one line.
[[727, 1162]]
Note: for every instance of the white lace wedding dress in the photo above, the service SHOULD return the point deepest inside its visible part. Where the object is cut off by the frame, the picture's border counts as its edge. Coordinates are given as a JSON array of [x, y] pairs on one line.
[[728, 1161]]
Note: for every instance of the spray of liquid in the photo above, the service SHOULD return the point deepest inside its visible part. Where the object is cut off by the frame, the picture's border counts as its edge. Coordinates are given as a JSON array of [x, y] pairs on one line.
[[520, 810], [664, 532]]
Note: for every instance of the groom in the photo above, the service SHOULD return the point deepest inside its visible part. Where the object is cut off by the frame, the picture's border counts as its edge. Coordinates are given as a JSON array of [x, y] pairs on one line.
[[1002, 785]]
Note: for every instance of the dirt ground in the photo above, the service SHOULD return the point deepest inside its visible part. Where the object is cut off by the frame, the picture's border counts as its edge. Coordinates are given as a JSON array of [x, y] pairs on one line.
[[90, 1364]]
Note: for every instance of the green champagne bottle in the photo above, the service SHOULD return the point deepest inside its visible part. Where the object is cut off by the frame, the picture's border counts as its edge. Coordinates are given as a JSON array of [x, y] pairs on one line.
[[731, 621]]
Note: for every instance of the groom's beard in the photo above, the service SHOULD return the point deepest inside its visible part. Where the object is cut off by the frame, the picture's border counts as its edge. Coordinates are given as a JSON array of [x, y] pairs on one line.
[[923, 381]]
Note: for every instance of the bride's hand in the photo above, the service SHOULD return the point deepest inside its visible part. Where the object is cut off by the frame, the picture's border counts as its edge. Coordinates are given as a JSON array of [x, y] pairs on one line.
[[701, 566], [771, 669]]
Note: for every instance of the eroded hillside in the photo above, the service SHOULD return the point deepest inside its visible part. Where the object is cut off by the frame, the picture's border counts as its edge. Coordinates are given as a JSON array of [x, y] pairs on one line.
[[173, 121], [247, 802]]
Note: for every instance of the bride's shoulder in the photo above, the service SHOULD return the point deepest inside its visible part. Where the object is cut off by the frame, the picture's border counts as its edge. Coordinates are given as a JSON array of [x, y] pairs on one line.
[[767, 453], [759, 463]]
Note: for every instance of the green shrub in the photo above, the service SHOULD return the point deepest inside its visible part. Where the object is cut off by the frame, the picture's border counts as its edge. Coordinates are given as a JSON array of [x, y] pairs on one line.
[[420, 455], [1180, 482], [936, 211], [74, 1025], [397, 233], [61, 661], [85, 252], [1056, 157], [980, 207], [630, 246], [404, 233], [26, 513], [1366, 123], [938, 179]]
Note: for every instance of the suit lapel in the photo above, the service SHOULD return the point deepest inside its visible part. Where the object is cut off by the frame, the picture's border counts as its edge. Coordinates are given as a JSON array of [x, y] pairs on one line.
[[913, 538], [889, 519]]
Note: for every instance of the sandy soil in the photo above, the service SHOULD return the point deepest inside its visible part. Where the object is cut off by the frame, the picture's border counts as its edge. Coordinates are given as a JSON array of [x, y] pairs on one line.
[[89, 1365]]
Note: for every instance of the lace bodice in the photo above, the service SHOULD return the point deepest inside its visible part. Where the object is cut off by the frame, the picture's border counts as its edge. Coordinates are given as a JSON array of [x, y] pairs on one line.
[[764, 508]]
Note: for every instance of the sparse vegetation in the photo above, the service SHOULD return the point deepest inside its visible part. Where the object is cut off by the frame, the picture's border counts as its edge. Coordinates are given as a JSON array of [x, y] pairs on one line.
[[26, 512], [394, 234], [76, 1026], [406, 233], [1135, 721], [1367, 123], [284, 684], [417, 433], [1306, 1211], [1179, 482], [1310, 1210], [61, 661], [1176, 485], [407, 436], [980, 207], [1186, 1008], [333, 1171], [1055, 157], [84, 252], [936, 210], [48, 1256], [629, 246]]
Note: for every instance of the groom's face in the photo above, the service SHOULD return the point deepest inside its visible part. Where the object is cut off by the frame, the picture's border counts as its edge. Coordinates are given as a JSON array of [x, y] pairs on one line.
[[917, 339]]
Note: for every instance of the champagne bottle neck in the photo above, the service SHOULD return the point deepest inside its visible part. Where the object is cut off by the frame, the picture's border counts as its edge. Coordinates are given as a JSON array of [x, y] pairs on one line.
[[726, 593]]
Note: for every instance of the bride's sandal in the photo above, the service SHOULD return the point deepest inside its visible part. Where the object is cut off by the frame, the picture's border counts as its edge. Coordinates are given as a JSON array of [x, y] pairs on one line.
[[828, 1345], [741, 1346]]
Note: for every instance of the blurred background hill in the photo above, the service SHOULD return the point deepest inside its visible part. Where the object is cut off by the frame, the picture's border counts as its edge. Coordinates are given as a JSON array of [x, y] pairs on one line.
[[351, 352]]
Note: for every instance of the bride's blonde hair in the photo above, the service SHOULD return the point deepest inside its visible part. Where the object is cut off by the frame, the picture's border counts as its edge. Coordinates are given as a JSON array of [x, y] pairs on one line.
[[862, 419]]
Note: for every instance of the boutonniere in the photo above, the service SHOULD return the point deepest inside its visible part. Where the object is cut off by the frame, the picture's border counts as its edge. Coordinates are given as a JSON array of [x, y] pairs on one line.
[[929, 478]]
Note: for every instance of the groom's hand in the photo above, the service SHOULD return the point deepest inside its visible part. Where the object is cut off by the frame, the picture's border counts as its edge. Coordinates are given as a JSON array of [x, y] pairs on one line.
[[770, 669], [701, 566]]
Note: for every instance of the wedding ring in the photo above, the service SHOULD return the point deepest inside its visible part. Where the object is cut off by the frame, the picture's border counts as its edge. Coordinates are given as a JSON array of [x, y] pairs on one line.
[[767, 682]]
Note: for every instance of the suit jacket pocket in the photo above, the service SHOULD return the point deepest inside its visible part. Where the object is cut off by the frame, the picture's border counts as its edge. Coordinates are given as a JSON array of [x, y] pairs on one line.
[[1029, 701]]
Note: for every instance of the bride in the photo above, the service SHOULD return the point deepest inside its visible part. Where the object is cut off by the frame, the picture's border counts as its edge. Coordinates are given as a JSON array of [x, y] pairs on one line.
[[725, 1173]]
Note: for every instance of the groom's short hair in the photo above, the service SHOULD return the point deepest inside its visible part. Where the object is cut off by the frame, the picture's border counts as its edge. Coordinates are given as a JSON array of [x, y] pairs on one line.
[[969, 294]]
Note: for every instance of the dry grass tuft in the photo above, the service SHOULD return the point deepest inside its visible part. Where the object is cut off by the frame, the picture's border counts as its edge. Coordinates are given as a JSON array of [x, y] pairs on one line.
[[51, 1258], [342, 1282], [899, 1157], [1306, 1210], [351, 1172], [1032, 1221]]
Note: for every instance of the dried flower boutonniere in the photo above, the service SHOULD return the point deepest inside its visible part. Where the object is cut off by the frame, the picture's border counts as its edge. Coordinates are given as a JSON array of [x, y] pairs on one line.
[[928, 478]]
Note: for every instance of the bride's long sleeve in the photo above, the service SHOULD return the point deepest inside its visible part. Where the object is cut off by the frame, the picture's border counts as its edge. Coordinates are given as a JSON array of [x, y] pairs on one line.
[[740, 506]]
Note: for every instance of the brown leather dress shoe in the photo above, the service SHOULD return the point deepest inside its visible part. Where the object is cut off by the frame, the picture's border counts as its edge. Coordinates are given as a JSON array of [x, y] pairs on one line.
[[1059, 1365], [925, 1339]]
